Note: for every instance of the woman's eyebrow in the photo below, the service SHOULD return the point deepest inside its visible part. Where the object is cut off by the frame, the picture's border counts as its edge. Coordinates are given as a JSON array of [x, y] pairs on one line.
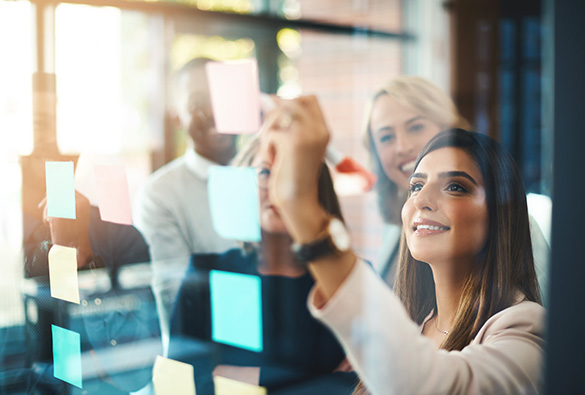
[[385, 129], [413, 119], [448, 174], [417, 175], [445, 174]]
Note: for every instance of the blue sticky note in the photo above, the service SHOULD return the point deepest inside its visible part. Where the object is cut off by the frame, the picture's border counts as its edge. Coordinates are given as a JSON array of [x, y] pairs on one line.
[[236, 309], [67, 355], [234, 202], [60, 189]]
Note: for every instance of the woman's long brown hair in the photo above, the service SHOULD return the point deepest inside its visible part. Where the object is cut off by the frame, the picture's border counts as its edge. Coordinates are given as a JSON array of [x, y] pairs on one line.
[[505, 266]]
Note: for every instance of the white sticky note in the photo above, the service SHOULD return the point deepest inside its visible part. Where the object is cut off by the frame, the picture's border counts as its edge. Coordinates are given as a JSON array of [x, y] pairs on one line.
[[171, 377], [235, 95], [63, 273], [225, 386], [113, 194], [234, 202], [60, 182]]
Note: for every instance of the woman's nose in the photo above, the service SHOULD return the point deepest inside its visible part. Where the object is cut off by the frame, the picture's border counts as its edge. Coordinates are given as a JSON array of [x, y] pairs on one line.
[[425, 199], [404, 145]]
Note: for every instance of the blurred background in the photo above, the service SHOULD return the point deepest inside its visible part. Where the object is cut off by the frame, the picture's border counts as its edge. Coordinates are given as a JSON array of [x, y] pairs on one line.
[[88, 80]]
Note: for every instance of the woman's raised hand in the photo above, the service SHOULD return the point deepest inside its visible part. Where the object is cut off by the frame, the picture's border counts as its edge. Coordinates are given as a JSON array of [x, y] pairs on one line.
[[296, 137]]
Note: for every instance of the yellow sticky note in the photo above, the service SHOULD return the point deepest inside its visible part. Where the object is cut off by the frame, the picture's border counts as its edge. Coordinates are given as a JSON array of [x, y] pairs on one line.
[[63, 273], [172, 377], [225, 386]]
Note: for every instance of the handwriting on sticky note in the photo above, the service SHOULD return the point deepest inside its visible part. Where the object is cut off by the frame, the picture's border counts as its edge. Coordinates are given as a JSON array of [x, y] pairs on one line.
[[67, 355], [235, 96], [113, 194], [236, 309], [234, 202], [172, 377], [63, 273], [60, 189], [225, 386]]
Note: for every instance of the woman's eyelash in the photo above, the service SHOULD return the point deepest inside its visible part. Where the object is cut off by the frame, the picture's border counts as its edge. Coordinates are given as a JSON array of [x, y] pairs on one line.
[[386, 137], [455, 187], [414, 187], [416, 127]]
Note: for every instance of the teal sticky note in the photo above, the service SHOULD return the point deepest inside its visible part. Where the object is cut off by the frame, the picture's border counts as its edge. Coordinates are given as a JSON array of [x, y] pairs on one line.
[[60, 189], [67, 355], [234, 202], [236, 309]]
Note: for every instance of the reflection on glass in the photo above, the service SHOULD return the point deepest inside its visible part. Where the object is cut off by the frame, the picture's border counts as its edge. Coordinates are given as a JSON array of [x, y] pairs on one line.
[[189, 46]]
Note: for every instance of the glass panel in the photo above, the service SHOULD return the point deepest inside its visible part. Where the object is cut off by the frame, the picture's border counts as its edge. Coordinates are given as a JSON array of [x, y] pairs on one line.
[[15, 78], [108, 83], [149, 274]]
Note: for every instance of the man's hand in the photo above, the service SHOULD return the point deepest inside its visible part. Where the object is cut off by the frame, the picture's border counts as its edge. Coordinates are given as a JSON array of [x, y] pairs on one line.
[[72, 232]]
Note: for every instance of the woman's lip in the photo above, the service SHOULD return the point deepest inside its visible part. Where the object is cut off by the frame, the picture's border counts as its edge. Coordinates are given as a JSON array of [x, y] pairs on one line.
[[427, 227], [407, 162]]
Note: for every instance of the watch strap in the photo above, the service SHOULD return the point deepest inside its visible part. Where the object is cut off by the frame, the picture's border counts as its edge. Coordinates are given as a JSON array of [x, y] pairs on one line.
[[322, 246]]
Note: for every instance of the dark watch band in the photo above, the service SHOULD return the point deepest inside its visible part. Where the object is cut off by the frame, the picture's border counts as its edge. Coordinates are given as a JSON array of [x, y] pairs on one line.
[[313, 251]]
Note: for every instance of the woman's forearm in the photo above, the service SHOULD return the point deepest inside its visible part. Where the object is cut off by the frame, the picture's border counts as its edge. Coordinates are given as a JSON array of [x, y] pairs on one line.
[[306, 221]]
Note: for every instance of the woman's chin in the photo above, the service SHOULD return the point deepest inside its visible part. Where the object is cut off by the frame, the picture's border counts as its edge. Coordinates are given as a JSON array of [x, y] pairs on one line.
[[274, 229]]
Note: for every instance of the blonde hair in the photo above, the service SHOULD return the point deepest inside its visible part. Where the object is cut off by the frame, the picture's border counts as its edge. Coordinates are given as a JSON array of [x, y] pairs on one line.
[[424, 98]]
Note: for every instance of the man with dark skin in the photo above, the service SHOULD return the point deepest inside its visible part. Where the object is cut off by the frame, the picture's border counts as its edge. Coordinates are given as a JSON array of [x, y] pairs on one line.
[[172, 211]]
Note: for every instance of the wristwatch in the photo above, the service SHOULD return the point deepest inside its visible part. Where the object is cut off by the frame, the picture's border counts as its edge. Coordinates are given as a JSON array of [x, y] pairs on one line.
[[333, 241]]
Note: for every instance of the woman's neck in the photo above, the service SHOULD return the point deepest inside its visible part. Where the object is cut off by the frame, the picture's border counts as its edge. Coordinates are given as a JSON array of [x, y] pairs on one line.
[[449, 282], [277, 258]]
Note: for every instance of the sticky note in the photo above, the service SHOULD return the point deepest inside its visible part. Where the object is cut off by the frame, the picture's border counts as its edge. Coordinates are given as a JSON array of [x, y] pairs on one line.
[[225, 386], [63, 273], [60, 189], [234, 202], [113, 194], [236, 309], [235, 95], [172, 377], [66, 355]]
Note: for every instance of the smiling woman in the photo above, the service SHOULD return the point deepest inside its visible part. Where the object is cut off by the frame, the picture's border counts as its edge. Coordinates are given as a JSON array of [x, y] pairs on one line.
[[466, 279], [445, 217], [469, 185]]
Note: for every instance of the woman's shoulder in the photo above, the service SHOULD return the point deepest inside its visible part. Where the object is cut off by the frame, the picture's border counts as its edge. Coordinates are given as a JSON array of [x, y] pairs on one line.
[[522, 319]]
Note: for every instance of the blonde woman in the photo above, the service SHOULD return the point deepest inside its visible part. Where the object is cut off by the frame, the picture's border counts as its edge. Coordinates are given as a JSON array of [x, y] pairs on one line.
[[404, 114]]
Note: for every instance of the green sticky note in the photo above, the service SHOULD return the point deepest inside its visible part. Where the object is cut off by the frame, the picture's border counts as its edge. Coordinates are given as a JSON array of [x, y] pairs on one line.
[[236, 309], [60, 189], [66, 355], [234, 202]]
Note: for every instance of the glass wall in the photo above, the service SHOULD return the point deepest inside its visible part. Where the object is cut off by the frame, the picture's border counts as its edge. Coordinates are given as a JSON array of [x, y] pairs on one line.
[[134, 262]]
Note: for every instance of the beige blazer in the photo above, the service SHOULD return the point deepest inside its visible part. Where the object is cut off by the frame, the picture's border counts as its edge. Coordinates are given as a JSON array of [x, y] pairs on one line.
[[391, 356]]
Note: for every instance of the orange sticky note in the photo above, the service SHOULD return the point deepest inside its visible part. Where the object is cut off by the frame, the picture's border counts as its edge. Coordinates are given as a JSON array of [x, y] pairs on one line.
[[235, 96], [63, 273], [225, 386], [113, 194], [171, 377]]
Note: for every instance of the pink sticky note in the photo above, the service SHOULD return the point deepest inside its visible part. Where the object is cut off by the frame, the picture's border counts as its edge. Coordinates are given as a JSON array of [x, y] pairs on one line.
[[113, 195], [235, 96]]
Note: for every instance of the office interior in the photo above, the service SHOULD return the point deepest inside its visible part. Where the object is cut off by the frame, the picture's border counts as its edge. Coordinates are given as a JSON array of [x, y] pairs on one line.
[[88, 81]]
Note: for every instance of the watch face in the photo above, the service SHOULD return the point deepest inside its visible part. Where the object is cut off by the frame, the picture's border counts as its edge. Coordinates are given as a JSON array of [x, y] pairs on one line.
[[339, 235]]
